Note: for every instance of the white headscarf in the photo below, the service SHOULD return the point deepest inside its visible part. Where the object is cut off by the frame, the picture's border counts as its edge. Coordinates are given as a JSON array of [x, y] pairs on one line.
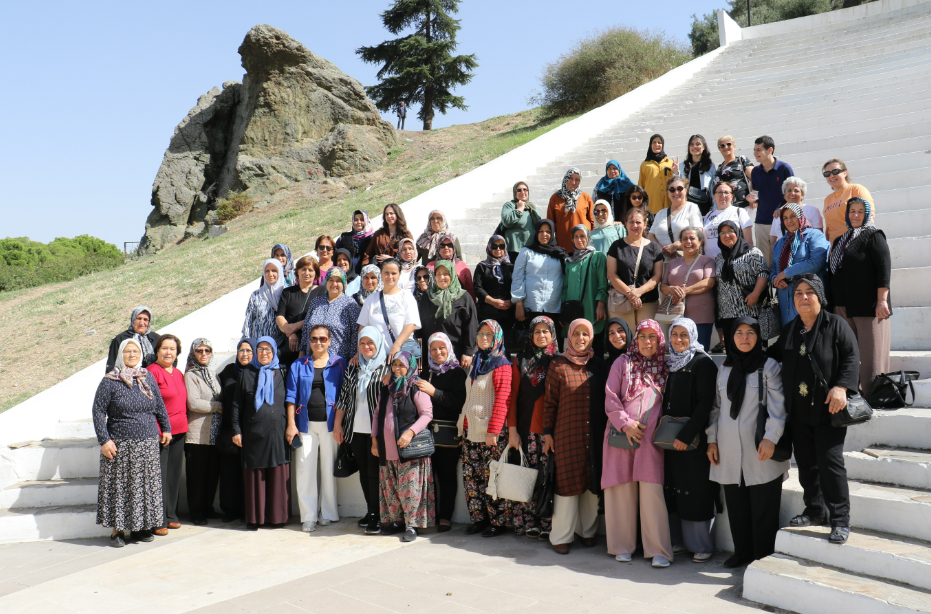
[[272, 293], [610, 221], [677, 360]]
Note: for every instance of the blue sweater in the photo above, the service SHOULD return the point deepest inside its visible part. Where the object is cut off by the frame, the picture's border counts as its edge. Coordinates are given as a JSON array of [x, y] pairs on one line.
[[810, 257], [301, 380]]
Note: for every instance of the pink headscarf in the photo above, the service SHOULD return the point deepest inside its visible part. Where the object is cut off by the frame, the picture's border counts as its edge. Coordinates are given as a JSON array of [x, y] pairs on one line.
[[642, 372], [571, 354]]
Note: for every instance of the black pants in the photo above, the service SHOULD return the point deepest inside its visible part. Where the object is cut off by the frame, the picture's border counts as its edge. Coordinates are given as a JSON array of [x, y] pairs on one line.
[[819, 452], [361, 445], [202, 468], [171, 458], [231, 485], [445, 463], [753, 513]]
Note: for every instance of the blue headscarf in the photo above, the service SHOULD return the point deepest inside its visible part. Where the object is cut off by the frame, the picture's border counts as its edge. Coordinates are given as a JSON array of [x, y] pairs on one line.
[[265, 387], [368, 366], [617, 186]]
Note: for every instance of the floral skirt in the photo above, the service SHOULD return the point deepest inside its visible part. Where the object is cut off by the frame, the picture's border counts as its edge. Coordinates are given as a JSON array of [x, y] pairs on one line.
[[129, 492], [405, 493], [524, 518], [475, 459]]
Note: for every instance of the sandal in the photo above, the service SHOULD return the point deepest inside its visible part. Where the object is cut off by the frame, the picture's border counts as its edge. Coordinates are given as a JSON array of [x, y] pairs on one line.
[[533, 533]]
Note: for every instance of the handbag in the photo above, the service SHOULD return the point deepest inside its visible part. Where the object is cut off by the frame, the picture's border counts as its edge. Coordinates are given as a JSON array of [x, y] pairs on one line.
[[617, 302], [783, 450], [617, 439], [410, 345], [544, 489], [345, 461], [421, 444], [770, 317], [890, 390], [858, 410], [669, 312], [445, 433], [668, 431], [511, 482]]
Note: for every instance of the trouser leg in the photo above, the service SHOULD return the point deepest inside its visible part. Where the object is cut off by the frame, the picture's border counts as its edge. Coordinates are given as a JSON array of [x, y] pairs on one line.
[[806, 457], [565, 519], [621, 503], [764, 516], [763, 241], [326, 462], [445, 464], [231, 485], [654, 521], [368, 469], [739, 512], [587, 524], [829, 445], [305, 474], [171, 459], [196, 467]]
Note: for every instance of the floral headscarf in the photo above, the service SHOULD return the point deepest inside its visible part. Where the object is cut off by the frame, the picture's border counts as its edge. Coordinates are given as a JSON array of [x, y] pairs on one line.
[[289, 265], [452, 239], [367, 231], [430, 240], [534, 361], [337, 272], [676, 360], [854, 236], [407, 266], [205, 371], [451, 362], [444, 299], [128, 375], [495, 263], [488, 360], [370, 268], [792, 239], [642, 372], [581, 254], [400, 387], [571, 197]]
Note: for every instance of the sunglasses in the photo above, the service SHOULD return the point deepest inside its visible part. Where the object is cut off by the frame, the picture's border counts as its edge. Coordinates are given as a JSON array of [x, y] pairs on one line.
[[446, 246], [725, 145], [203, 351], [836, 171], [319, 339], [636, 197], [522, 190], [324, 248], [675, 189], [497, 246], [808, 276], [423, 277]]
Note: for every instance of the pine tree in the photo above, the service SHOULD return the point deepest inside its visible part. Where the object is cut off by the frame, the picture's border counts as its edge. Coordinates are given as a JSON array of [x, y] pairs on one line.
[[420, 68]]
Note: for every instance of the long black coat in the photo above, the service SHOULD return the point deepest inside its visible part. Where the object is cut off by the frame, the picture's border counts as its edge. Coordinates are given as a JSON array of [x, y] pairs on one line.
[[450, 393], [486, 284], [263, 442]]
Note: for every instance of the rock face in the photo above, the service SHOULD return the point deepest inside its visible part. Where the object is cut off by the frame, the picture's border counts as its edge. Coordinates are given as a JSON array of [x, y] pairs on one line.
[[294, 117]]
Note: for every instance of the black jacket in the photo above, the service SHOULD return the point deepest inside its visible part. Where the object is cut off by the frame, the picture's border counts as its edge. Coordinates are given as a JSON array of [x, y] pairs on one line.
[[461, 326], [345, 242], [450, 393], [854, 285], [115, 347], [486, 284], [263, 430]]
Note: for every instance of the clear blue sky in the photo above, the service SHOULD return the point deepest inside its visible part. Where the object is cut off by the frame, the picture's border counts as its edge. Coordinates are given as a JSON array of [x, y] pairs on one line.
[[93, 90]]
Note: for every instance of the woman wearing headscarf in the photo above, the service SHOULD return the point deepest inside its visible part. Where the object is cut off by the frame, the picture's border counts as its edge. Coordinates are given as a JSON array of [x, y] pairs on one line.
[[634, 397], [689, 393], [817, 337], [525, 414], [606, 231], [698, 171], [343, 260], [619, 338], [402, 317], [313, 383], [536, 285], [428, 243], [752, 480], [570, 206], [231, 481], [356, 241], [447, 252], [445, 385], [656, 169], [423, 280], [338, 313], [261, 311], [355, 406], [488, 396], [406, 498], [860, 276], [407, 257], [282, 254], [170, 382], [801, 249], [742, 276], [585, 285], [204, 415], [573, 423], [612, 187], [129, 492], [370, 282], [493, 277], [448, 308], [519, 219], [259, 423], [384, 243], [293, 306], [140, 330]]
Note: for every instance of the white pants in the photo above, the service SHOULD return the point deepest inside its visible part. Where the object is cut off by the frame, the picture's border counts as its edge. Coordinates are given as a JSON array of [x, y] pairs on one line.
[[571, 515], [763, 241], [311, 495]]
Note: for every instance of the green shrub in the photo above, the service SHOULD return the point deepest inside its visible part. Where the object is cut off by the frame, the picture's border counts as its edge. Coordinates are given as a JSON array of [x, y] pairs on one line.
[[26, 264], [606, 65], [21, 277], [234, 206]]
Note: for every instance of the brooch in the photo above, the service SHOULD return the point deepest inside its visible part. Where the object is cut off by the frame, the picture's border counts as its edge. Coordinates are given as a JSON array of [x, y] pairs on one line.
[[802, 350], [803, 389]]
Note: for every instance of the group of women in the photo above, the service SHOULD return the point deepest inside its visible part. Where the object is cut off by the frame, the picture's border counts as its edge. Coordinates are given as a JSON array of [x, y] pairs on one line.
[[388, 354]]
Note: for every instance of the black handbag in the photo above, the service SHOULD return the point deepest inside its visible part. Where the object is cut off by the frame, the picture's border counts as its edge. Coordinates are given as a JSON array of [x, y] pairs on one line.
[[421, 444], [858, 410], [544, 489], [618, 439], [345, 461], [445, 434], [890, 390], [783, 451], [667, 432]]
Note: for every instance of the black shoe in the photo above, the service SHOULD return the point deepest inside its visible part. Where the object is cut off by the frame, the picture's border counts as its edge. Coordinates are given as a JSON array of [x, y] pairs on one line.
[[735, 561], [142, 536], [117, 540], [215, 515], [391, 528], [200, 522], [803, 520], [251, 526], [493, 531], [277, 525], [443, 528], [839, 535], [718, 349], [229, 518], [476, 527], [373, 527], [365, 520]]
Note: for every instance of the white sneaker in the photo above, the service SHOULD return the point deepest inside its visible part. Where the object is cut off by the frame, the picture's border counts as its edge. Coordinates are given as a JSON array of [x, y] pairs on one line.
[[309, 526], [623, 558], [660, 561], [701, 557], [323, 522]]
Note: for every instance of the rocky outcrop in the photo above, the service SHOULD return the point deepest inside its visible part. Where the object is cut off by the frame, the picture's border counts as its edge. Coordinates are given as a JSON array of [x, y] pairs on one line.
[[294, 117]]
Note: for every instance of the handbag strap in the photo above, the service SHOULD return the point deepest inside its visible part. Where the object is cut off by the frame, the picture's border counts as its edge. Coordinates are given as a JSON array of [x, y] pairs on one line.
[[905, 383], [639, 256], [384, 314], [763, 390], [669, 224]]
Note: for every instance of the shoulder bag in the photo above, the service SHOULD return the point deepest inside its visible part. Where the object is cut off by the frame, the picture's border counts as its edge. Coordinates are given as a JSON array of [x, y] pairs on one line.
[[667, 431], [667, 312], [411, 344], [617, 439], [511, 482], [890, 390], [857, 411], [345, 461], [544, 489], [421, 444], [783, 451], [619, 303]]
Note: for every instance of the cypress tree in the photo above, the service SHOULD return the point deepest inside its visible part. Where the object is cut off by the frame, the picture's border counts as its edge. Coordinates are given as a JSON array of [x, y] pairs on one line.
[[419, 67]]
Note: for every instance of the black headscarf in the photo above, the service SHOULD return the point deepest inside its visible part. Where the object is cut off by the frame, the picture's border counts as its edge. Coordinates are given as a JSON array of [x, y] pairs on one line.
[[237, 366], [730, 254], [351, 273], [742, 364], [550, 249], [810, 337], [613, 352], [656, 157]]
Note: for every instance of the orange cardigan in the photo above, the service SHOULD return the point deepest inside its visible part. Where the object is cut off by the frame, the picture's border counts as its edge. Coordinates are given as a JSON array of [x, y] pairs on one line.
[[566, 221]]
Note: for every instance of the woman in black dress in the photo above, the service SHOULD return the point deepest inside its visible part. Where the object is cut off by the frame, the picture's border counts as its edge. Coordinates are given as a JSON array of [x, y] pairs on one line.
[[259, 423], [231, 491], [690, 494], [448, 308], [493, 287]]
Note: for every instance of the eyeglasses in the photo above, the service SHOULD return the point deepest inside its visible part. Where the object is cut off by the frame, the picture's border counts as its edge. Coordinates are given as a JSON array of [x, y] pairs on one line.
[[246, 351], [436, 218], [723, 193], [319, 339], [674, 189], [497, 246], [836, 171], [727, 233], [725, 145], [131, 352], [324, 248], [264, 351], [486, 335], [636, 197], [203, 351], [521, 190]]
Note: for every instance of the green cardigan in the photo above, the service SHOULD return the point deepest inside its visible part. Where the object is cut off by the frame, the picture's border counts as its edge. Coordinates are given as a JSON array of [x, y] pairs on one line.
[[592, 273]]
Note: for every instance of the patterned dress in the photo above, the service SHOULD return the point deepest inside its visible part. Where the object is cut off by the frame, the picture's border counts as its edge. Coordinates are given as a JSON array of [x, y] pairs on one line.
[[524, 516], [747, 269], [260, 320], [340, 317]]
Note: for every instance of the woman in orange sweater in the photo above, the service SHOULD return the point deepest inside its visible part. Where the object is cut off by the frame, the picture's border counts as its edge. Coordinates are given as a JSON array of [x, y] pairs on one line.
[[570, 206]]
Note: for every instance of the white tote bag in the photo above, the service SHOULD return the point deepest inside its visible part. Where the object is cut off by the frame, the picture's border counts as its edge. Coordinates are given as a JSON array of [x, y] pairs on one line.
[[511, 482]]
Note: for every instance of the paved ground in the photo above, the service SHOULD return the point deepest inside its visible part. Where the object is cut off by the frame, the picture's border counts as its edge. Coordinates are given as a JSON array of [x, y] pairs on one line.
[[338, 569]]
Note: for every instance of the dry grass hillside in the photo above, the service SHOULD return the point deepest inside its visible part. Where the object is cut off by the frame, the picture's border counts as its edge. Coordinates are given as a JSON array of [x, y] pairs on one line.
[[51, 332]]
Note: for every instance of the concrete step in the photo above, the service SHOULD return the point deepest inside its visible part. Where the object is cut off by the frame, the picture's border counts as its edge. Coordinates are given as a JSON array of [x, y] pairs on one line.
[[802, 586], [880, 555], [26, 524], [45, 493], [908, 427], [912, 285], [909, 251], [911, 361], [910, 328], [890, 465], [51, 459], [877, 507]]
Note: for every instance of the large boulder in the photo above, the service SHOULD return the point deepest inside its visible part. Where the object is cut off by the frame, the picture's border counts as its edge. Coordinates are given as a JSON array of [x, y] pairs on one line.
[[294, 117]]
